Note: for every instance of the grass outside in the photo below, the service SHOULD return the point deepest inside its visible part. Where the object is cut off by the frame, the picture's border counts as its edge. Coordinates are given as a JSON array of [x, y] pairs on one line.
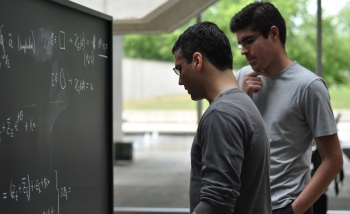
[[171, 102], [340, 99]]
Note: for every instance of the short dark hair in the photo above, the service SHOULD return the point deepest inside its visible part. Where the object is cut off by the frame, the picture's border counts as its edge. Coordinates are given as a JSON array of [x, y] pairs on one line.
[[209, 40], [260, 16]]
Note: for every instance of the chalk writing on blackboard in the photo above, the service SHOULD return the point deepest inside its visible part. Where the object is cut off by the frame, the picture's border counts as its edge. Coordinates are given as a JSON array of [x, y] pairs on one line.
[[54, 102], [26, 43], [11, 126], [49, 211], [104, 46], [58, 78], [62, 192], [62, 37], [25, 187], [42, 43], [4, 56], [89, 58], [81, 85]]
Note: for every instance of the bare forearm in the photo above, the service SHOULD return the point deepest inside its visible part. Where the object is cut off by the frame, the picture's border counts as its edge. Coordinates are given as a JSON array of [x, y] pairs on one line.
[[318, 184]]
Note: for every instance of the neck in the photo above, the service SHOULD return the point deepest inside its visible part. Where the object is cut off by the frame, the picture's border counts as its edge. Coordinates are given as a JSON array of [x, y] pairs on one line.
[[221, 81], [282, 63]]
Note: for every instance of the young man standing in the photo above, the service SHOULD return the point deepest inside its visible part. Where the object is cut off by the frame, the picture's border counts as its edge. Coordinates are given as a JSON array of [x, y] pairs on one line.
[[230, 151], [295, 105]]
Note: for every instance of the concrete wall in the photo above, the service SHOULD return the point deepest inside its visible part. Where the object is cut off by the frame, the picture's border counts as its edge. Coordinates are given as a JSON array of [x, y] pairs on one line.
[[143, 79]]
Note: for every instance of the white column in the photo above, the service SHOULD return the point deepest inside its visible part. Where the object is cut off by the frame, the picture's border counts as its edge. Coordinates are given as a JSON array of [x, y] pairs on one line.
[[117, 87]]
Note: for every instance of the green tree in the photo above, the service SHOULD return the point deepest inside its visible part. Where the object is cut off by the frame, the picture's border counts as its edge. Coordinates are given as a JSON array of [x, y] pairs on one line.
[[337, 46], [343, 20], [222, 12], [302, 46], [301, 37]]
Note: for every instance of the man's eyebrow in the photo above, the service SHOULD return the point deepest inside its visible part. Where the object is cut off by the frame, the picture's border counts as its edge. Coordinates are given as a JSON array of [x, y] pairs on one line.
[[246, 38], [178, 66]]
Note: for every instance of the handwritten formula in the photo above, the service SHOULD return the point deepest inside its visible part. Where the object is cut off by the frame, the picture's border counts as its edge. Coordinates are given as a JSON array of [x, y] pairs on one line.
[[25, 187], [44, 41], [55, 108], [12, 125], [59, 79]]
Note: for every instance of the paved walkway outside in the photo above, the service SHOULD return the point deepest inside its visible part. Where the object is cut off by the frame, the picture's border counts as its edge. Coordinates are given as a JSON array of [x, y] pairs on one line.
[[158, 176]]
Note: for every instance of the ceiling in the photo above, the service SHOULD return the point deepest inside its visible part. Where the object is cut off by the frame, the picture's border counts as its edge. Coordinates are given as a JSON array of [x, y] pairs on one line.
[[147, 16]]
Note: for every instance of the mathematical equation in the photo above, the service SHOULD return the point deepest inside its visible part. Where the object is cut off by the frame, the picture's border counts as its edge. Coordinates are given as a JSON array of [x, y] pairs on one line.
[[80, 44], [43, 41], [13, 125], [80, 85], [26, 187], [23, 44]]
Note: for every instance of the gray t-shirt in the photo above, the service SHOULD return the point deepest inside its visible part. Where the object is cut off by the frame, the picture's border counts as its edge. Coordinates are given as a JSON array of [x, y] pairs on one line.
[[295, 105], [230, 159]]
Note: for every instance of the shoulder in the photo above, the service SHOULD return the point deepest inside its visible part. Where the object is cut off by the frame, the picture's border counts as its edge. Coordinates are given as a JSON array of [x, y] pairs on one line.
[[301, 76], [234, 105], [302, 73]]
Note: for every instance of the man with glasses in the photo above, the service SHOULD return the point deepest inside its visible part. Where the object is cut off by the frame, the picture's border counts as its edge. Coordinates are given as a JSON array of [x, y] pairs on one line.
[[295, 105], [230, 152]]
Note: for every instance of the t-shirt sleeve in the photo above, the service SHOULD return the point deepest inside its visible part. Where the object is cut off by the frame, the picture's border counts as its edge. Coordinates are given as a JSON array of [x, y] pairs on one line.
[[222, 157], [318, 110]]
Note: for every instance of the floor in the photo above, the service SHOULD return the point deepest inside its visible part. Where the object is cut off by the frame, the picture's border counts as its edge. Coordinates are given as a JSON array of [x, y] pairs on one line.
[[158, 176]]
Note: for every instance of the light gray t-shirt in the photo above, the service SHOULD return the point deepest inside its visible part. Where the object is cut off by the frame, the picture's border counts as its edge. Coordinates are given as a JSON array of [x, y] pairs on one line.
[[230, 160], [295, 105]]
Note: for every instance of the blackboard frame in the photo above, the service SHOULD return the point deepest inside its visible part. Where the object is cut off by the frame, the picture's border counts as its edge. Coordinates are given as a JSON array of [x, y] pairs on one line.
[[84, 9], [108, 87]]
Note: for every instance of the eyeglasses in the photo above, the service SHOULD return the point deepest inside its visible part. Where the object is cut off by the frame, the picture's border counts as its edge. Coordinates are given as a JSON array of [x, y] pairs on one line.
[[247, 42], [176, 68]]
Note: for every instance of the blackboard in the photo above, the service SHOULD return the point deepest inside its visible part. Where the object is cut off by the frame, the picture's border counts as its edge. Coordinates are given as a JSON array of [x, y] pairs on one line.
[[56, 150]]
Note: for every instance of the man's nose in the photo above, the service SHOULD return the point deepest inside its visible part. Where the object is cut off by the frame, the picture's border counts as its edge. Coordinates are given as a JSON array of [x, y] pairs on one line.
[[244, 50], [180, 80]]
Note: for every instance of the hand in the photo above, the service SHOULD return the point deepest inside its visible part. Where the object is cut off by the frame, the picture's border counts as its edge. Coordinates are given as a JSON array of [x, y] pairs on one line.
[[252, 83]]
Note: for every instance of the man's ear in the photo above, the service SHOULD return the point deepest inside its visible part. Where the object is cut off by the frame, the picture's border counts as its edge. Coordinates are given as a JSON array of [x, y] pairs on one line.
[[198, 60], [274, 33]]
